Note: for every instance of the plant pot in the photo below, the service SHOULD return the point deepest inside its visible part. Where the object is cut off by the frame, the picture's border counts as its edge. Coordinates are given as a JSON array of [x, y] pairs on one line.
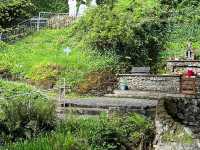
[[123, 87]]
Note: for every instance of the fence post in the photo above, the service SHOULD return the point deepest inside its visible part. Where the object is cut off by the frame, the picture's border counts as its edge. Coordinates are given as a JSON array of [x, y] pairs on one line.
[[62, 90], [38, 23]]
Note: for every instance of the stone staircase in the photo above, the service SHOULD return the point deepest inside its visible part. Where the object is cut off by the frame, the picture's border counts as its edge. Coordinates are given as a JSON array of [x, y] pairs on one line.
[[141, 94], [109, 105]]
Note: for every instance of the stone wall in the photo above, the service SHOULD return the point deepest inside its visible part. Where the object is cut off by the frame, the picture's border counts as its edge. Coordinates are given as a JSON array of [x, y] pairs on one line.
[[176, 65], [198, 85], [158, 83], [185, 110], [177, 123]]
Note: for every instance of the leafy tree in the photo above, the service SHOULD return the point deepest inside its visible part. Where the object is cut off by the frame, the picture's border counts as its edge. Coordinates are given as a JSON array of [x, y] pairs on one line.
[[50, 5], [14, 11], [132, 31]]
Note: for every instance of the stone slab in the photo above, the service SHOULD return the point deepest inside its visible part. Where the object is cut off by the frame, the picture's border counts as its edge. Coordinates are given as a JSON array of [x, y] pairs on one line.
[[145, 94], [106, 102]]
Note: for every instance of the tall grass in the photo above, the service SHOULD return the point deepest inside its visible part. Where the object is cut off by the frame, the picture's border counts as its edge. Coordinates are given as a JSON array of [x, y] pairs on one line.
[[93, 133], [183, 29], [28, 58]]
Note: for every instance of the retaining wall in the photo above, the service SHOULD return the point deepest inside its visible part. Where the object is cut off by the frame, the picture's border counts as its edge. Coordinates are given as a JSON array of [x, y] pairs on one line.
[[158, 83]]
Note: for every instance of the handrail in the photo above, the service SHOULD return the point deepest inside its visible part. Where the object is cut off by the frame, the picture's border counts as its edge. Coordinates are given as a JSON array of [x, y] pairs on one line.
[[34, 24]]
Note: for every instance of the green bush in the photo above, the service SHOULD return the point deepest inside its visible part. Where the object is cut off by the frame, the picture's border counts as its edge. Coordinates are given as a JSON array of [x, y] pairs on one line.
[[14, 11], [45, 75], [183, 28], [24, 112], [176, 3], [50, 6], [113, 133], [98, 82], [132, 31], [3, 46], [104, 133]]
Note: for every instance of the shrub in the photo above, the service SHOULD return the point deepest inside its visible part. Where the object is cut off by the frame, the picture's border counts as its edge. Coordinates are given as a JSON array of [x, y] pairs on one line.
[[50, 6], [24, 112], [14, 11], [3, 46], [184, 27], [103, 133], [55, 141], [113, 133], [133, 31], [97, 83], [45, 75]]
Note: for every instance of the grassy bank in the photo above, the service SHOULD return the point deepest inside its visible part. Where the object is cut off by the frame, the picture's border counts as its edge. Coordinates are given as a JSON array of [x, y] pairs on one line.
[[183, 28], [40, 58], [93, 134], [25, 112]]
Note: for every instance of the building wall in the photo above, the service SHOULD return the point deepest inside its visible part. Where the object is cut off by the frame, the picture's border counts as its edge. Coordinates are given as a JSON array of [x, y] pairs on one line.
[[158, 83]]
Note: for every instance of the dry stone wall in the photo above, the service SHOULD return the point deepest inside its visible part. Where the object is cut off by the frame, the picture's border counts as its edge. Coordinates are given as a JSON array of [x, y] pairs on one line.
[[185, 110], [158, 83], [177, 123]]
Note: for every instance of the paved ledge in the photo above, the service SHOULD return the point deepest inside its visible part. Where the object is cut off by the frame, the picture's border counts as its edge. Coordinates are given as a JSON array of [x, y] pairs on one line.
[[146, 75], [106, 103], [183, 61], [146, 94]]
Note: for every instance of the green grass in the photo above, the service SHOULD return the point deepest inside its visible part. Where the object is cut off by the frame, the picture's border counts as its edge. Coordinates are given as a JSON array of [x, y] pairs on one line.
[[101, 133], [179, 136], [179, 38], [185, 28], [37, 57]]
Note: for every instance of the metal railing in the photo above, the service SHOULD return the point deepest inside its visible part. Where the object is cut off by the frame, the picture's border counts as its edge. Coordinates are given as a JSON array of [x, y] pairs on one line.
[[43, 20]]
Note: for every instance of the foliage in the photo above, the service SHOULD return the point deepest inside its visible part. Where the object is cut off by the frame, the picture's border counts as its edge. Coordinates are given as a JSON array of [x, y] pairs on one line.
[[24, 112], [122, 133], [14, 11], [50, 5], [3, 46], [177, 3], [102, 133], [98, 82], [40, 59], [131, 31], [45, 75], [179, 135], [183, 27]]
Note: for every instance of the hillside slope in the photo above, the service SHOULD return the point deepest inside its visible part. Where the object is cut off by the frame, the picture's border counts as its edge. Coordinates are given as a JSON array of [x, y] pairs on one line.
[[184, 27], [41, 58]]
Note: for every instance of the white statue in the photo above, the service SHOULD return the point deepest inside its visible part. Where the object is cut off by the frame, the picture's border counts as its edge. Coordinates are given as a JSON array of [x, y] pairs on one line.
[[82, 9], [93, 3], [72, 8]]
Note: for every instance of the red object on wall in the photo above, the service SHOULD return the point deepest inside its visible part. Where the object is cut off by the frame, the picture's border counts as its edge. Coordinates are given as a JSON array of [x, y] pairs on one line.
[[190, 73]]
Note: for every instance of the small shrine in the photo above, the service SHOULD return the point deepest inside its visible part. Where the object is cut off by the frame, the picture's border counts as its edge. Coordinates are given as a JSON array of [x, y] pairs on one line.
[[179, 66], [190, 55]]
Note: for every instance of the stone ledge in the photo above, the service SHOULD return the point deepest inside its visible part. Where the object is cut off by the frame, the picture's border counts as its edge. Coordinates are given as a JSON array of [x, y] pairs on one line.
[[106, 102], [147, 95], [183, 61], [147, 75]]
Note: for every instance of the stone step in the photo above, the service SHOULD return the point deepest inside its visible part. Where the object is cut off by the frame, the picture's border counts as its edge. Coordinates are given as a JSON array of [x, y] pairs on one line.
[[96, 106], [85, 111], [141, 94]]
